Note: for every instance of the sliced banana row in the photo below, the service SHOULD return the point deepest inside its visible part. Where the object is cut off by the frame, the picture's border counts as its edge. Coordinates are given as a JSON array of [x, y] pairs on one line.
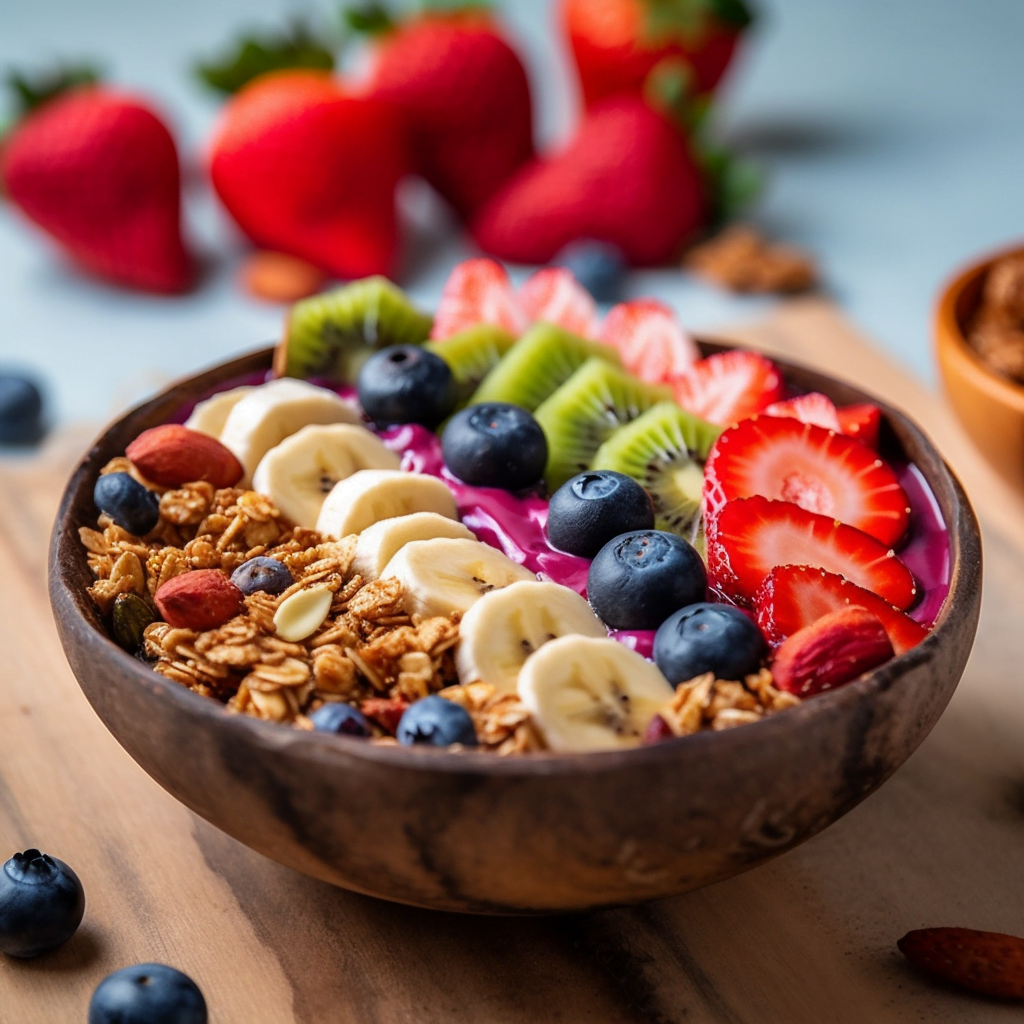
[[370, 495], [210, 415], [379, 543]]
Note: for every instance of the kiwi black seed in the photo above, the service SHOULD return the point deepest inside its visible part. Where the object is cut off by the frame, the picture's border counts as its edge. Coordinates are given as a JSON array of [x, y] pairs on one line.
[[472, 354]]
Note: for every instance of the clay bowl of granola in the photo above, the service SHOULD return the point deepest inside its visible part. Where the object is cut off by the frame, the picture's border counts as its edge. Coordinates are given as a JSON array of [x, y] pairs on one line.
[[979, 342]]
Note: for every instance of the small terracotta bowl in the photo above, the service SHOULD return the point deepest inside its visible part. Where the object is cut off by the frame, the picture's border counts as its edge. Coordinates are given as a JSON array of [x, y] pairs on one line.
[[990, 407], [536, 834]]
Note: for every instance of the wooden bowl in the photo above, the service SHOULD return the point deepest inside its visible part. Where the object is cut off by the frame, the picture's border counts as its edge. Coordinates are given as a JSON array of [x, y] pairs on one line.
[[990, 407], [538, 834]]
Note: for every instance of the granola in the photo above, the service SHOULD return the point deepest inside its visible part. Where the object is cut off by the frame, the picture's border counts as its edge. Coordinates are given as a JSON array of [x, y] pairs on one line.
[[740, 259], [996, 331]]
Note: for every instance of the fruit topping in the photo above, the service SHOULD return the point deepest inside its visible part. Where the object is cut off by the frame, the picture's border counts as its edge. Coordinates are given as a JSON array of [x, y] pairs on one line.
[[652, 344], [379, 543], [472, 354], [262, 574], [987, 962], [406, 384], [813, 408], [210, 415], [341, 718], [41, 904], [815, 468], [147, 994], [495, 444], [200, 599], [553, 296], [21, 410], [477, 291], [751, 536], [729, 386], [600, 267], [172, 455], [301, 614], [832, 651], [862, 422], [590, 509], [436, 722], [385, 711], [703, 637], [133, 507], [129, 618], [639, 579]]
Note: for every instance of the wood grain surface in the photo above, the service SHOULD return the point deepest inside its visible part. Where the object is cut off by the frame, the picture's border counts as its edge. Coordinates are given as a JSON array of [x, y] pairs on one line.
[[808, 938]]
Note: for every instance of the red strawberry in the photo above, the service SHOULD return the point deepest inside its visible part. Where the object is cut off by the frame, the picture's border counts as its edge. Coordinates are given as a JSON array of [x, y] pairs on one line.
[[818, 469], [477, 292], [628, 178], [652, 344], [307, 169], [98, 170], [987, 962], [729, 386], [463, 95], [810, 408], [556, 297], [751, 536], [862, 422], [794, 596], [835, 650]]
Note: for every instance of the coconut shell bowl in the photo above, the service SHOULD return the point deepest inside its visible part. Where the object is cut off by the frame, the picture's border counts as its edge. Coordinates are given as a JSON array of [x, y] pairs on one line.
[[541, 833]]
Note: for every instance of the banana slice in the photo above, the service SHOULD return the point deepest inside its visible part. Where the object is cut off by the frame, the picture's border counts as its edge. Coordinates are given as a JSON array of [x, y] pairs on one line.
[[299, 473], [506, 626], [442, 576], [210, 415], [379, 543], [588, 694], [370, 495], [262, 419]]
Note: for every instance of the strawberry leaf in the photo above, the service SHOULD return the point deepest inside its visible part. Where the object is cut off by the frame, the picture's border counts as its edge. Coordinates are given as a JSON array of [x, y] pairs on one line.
[[687, 21], [369, 19], [734, 183], [31, 91]]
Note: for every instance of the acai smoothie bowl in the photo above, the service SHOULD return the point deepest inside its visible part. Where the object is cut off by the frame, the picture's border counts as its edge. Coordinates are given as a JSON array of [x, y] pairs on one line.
[[514, 608]]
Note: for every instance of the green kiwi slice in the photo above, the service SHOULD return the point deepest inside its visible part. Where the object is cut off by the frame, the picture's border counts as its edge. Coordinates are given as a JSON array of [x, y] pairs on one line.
[[331, 335], [472, 354], [664, 450], [537, 365], [583, 413]]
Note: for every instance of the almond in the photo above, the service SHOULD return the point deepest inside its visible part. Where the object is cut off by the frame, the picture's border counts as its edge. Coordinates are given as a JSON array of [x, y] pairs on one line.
[[987, 962], [201, 599], [172, 455]]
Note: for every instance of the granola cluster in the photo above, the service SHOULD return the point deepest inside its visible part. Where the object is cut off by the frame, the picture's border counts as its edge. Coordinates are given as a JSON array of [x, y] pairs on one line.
[[997, 329], [740, 259], [710, 703]]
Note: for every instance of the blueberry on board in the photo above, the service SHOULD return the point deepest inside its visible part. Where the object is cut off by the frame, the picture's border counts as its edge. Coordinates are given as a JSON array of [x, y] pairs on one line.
[[436, 722], [340, 718], [41, 904], [599, 266], [495, 444], [262, 573], [147, 994], [639, 579], [709, 638], [590, 509], [133, 507], [21, 410], [406, 384]]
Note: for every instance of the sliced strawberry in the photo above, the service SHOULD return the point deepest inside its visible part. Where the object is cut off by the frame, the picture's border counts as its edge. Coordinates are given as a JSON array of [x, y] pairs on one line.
[[813, 408], [818, 469], [750, 536], [862, 422], [792, 597], [556, 297], [652, 344], [477, 291], [834, 650], [729, 386]]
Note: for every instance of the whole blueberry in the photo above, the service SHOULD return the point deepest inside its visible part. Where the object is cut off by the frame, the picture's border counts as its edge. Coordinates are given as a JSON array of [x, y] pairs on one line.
[[41, 904], [262, 573], [495, 444], [147, 994], [639, 579], [590, 509], [599, 266], [340, 718], [709, 638], [436, 722], [406, 384], [133, 507], [21, 410]]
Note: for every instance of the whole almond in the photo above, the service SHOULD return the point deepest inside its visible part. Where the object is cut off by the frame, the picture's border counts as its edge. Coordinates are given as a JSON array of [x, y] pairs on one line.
[[172, 455], [987, 962], [201, 599]]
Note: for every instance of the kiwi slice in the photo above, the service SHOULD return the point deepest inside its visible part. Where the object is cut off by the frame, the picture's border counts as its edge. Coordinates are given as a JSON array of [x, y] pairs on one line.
[[537, 365], [664, 450], [582, 414], [331, 335], [472, 354]]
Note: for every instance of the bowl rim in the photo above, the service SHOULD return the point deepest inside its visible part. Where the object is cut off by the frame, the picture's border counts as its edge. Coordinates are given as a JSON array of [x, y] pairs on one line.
[[67, 600]]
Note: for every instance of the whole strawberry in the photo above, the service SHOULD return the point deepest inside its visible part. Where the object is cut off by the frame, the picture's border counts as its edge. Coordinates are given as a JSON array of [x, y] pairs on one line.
[[463, 94], [309, 169], [98, 171], [628, 178]]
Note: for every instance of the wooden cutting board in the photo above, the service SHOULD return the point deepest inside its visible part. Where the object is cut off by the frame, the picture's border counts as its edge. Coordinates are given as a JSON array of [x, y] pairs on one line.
[[808, 938]]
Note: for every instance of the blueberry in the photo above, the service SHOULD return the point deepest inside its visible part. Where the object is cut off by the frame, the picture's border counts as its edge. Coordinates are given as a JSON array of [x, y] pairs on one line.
[[406, 384], [262, 573], [639, 579], [41, 904], [147, 994], [495, 444], [21, 410], [132, 506], [341, 718], [599, 266], [709, 638], [590, 509], [436, 722]]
